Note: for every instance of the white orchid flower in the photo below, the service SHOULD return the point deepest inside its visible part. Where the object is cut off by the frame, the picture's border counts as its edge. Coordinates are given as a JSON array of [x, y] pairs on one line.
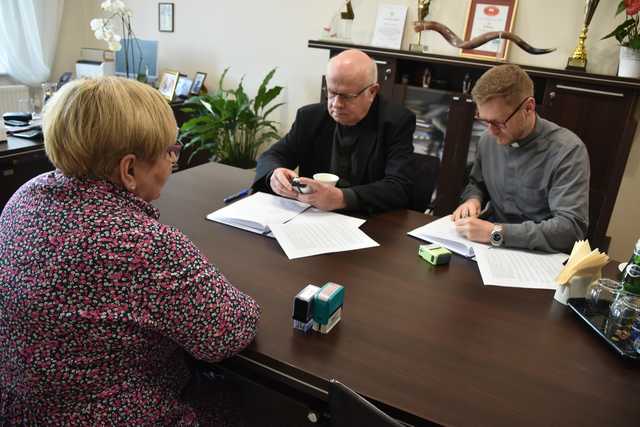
[[96, 23], [106, 5], [115, 46], [99, 33]]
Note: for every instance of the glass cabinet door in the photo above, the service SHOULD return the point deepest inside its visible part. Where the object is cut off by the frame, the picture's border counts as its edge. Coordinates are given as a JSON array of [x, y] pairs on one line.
[[445, 130]]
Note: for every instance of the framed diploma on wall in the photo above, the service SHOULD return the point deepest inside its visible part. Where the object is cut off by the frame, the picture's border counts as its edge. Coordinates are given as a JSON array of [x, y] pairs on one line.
[[487, 16]]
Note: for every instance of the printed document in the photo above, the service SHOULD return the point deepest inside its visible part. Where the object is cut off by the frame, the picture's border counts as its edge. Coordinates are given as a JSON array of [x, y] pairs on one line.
[[255, 212], [389, 27], [315, 215], [302, 238], [519, 268], [443, 231]]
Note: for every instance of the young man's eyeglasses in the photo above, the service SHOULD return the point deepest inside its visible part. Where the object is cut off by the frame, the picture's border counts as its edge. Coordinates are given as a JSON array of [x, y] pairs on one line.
[[347, 96], [174, 152], [501, 124]]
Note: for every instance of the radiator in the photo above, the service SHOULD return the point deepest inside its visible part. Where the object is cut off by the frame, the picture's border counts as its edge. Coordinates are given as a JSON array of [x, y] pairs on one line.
[[9, 96]]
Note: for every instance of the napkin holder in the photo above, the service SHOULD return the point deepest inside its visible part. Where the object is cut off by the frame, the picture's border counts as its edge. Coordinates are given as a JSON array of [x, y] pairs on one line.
[[577, 285]]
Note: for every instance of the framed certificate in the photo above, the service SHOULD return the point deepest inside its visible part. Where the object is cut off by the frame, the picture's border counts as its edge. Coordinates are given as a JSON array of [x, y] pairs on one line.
[[165, 17], [485, 16]]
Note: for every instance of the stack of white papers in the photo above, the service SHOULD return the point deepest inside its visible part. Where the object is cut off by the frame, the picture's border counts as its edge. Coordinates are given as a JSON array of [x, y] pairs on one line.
[[299, 229], [316, 232], [498, 266], [443, 231], [256, 212], [518, 268]]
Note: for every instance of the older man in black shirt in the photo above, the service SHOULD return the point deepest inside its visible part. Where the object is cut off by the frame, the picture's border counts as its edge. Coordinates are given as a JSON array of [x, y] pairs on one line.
[[357, 135]]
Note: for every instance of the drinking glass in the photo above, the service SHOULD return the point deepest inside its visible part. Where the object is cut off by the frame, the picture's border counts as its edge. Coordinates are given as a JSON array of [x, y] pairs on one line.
[[635, 335], [26, 105], [601, 293], [48, 89], [624, 310]]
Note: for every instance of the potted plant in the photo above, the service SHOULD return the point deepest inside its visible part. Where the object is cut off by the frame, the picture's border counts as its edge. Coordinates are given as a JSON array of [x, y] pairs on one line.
[[628, 35], [229, 125]]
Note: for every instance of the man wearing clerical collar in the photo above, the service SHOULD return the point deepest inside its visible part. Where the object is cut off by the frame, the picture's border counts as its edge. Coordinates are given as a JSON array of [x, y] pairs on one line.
[[534, 173], [358, 136]]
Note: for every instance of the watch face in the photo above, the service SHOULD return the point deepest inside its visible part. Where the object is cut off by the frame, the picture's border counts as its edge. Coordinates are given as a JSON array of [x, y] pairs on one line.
[[496, 238]]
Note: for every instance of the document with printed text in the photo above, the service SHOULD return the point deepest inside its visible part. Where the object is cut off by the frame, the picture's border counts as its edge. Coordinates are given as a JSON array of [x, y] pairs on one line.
[[303, 238], [519, 268]]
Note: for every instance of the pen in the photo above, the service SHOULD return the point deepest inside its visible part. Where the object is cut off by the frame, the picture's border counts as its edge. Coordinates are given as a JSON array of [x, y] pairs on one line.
[[237, 195]]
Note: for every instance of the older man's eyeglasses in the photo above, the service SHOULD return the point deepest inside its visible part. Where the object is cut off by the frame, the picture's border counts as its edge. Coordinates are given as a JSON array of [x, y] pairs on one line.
[[346, 96], [501, 124], [174, 152]]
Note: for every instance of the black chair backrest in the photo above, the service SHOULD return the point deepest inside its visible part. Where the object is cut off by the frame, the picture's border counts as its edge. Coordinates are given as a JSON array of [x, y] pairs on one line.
[[424, 169], [348, 409]]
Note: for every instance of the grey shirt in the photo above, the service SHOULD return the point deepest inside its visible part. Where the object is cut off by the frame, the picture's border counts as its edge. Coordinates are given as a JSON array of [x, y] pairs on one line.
[[538, 187]]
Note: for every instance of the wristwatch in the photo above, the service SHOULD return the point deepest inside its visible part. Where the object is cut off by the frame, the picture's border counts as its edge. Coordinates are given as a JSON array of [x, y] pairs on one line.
[[496, 237]]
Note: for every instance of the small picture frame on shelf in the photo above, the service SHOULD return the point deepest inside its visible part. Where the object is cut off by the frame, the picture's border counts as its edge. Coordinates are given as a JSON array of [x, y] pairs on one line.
[[183, 86], [165, 17], [168, 83], [198, 81], [484, 16]]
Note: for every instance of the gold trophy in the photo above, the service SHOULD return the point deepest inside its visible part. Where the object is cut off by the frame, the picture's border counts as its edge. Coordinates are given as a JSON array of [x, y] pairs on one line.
[[423, 11], [578, 61]]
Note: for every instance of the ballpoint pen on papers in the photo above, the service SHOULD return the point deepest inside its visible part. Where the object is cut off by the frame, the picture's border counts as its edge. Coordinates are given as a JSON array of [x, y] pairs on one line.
[[237, 195]]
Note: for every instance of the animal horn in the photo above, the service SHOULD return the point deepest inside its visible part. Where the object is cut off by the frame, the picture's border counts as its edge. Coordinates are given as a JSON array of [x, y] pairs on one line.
[[477, 41]]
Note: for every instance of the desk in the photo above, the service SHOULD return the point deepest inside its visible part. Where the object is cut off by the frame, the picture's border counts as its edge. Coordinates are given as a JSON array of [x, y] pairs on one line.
[[432, 343]]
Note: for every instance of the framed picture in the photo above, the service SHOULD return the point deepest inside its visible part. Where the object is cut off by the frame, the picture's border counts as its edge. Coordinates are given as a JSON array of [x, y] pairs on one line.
[[183, 86], [198, 81], [165, 17], [486, 16], [168, 83]]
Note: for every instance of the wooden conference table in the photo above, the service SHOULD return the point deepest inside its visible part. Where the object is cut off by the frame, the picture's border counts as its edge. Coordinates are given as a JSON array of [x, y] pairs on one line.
[[428, 343]]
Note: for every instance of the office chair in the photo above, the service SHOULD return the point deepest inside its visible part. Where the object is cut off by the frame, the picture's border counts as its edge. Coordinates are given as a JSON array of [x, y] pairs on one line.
[[424, 170], [348, 409]]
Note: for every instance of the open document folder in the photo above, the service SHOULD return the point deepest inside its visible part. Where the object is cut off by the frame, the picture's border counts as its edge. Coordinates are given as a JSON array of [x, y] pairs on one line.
[[256, 212], [498, 266]]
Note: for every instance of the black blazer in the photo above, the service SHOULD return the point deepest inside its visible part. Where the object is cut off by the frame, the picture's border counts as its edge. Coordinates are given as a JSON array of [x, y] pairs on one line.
[[383, 177]]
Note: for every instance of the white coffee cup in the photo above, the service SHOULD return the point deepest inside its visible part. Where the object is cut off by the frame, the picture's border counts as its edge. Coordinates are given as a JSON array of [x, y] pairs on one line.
[[326, 178]]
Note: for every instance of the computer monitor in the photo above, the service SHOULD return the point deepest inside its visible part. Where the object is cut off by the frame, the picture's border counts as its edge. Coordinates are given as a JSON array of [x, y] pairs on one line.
[[137, 47]]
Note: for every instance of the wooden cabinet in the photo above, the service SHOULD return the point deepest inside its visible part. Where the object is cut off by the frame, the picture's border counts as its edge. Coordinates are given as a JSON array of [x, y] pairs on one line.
[[599, 109]]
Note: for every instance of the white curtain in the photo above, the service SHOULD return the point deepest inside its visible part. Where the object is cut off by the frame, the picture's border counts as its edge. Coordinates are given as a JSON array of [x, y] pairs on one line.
[[29, 33]]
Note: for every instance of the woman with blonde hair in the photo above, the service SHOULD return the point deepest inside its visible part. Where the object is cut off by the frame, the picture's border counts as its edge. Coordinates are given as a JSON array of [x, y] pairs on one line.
[[99, 300]]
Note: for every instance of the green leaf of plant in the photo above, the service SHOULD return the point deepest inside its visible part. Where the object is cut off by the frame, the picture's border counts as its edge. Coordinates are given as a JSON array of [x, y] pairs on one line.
[[621, 30], [621, 8], [224, 73], [634, 43]]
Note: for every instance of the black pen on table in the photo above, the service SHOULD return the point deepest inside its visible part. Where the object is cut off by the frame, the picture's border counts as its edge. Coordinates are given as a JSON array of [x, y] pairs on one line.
[[236, 196]]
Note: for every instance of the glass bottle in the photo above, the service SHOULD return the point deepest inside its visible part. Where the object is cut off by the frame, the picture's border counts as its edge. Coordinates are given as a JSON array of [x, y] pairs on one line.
[[633, 259], [631, 279]]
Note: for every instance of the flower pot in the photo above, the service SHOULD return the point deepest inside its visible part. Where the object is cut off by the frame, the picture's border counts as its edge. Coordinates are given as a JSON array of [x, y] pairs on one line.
[[629, 65]]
